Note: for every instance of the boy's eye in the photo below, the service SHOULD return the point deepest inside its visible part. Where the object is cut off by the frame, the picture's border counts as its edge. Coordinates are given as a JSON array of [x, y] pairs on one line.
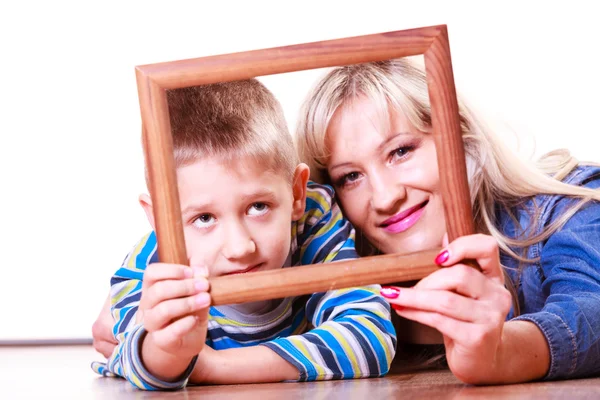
[[205, 220], [257, 209]]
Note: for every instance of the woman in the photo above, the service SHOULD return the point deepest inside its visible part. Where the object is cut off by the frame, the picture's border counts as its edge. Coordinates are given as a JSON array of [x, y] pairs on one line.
[[365, 129]]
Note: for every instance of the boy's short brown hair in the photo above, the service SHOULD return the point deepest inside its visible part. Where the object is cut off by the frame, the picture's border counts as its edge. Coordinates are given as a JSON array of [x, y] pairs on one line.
[[231, 121]]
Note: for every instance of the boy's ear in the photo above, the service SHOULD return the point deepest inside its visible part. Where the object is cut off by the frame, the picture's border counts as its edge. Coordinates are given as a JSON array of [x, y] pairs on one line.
[[301, 175], [146, 204]]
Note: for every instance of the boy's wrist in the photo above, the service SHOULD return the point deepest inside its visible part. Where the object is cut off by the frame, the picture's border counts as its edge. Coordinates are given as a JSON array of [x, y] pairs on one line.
[[161, 364], [208, 367]]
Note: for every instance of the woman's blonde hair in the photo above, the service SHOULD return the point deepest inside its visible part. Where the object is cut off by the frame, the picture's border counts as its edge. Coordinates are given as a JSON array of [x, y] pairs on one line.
[[497, 177]]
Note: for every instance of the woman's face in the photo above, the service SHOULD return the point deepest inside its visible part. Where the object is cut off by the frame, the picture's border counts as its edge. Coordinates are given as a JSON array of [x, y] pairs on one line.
[[386, 178]]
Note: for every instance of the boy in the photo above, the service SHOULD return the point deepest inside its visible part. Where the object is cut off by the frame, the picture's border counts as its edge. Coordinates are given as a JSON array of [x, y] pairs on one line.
[[240, 184]]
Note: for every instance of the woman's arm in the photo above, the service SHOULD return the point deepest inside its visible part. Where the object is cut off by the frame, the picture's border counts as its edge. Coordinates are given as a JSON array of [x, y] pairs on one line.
[[523, 354], [469, 308], [570, 318]]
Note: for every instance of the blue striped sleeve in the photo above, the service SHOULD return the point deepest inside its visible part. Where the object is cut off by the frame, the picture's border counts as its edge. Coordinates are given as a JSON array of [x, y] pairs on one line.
[[126, 290], [133, 369], [356, 339], [353, 335], [322, 233]]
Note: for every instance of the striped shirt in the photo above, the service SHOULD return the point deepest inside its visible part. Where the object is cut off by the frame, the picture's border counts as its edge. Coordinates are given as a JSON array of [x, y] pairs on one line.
[[338, 334]]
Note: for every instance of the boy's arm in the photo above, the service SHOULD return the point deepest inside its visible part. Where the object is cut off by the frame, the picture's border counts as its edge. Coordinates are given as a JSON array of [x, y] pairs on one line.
[[354, 339], [254, 364], [126, 291], [353, 336]]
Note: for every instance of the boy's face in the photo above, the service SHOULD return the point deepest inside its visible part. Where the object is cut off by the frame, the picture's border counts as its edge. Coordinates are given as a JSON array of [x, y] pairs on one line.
[[236, 216]]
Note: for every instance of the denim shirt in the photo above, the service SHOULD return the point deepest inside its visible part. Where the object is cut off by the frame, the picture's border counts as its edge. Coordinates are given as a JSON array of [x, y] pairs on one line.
[[560, 292]]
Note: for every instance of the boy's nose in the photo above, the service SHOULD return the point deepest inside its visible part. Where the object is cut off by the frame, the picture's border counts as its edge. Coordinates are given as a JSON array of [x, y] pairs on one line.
[[238, 244]]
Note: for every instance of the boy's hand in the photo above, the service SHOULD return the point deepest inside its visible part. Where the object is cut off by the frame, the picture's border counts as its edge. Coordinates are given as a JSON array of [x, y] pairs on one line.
[[174, 311]]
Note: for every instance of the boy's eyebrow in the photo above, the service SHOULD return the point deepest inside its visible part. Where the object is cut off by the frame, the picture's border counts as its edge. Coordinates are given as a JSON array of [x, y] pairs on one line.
[[195, 207], [262, 193]]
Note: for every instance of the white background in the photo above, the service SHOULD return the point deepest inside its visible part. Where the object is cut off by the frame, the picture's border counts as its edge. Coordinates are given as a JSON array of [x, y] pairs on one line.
[[71, 164]]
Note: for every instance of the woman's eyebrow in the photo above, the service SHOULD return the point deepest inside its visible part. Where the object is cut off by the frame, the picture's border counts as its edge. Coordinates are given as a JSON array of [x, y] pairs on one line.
[[383, 144], [341, 165], [380, 148]]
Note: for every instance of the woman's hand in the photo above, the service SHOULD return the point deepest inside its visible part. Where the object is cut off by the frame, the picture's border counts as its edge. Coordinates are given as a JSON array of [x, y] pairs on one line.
[[103, 340], [467, 306]]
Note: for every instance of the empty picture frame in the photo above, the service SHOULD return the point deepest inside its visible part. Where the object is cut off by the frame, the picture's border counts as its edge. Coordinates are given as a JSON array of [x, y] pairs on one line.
[[154, 80]]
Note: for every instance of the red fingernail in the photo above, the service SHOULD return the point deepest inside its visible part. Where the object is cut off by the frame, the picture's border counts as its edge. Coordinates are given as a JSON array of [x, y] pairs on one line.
[[442, 257], [397, 307], [390, 292]]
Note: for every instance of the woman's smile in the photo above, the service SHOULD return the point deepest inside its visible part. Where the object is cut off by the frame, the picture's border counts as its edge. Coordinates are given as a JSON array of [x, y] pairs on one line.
[[405, 219]]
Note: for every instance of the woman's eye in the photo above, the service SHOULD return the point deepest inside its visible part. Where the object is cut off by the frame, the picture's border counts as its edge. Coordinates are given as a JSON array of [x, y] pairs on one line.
[[351, 177], [205, 221], [347, 179], [400, 152], [257, 209]]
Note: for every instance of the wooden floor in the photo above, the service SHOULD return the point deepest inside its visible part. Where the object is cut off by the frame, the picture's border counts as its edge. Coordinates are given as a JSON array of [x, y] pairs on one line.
[[63, 372]]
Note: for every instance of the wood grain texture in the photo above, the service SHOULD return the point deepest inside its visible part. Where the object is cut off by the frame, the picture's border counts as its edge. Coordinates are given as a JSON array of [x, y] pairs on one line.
[[317, 278], [154, 79], [448, 138], [160, 167], [329, 53], [63, 372]]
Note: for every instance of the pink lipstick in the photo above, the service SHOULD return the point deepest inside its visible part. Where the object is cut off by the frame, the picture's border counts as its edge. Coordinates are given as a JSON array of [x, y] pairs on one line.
[[405, 219]]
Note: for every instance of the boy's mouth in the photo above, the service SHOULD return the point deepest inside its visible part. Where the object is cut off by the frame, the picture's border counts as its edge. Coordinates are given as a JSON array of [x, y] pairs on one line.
[[252, 268]]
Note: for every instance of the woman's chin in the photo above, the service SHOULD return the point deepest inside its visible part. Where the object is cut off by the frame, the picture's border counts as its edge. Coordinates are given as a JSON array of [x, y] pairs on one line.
[[409, 246]]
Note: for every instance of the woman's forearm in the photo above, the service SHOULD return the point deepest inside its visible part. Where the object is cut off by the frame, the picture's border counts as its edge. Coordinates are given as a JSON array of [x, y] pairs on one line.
[[523, 354]]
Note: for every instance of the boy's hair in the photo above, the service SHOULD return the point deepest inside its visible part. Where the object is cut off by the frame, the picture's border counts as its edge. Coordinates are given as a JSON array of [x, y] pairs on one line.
[[232, 121]]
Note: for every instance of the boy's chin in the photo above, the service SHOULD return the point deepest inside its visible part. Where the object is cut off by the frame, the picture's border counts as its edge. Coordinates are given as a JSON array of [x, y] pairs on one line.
[[256, 307]]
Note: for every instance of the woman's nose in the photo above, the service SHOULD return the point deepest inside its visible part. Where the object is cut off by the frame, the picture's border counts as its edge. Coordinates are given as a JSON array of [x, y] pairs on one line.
[[387, 194]]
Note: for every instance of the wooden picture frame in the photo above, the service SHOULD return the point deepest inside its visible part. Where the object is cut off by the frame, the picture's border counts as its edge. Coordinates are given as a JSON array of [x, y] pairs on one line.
[[154, 80]]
